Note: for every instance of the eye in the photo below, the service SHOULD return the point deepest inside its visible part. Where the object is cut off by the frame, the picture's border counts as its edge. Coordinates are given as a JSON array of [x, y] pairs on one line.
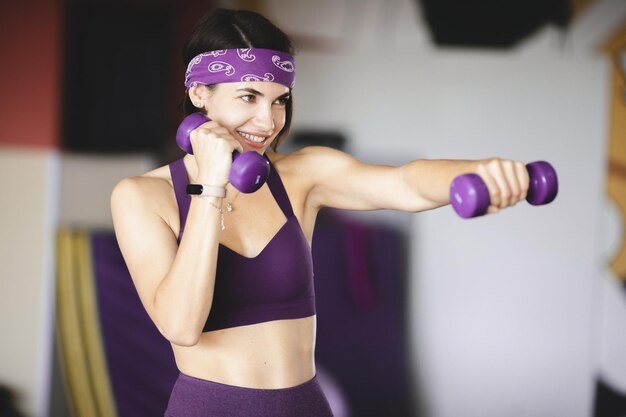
[[281, 101], [248, 98]]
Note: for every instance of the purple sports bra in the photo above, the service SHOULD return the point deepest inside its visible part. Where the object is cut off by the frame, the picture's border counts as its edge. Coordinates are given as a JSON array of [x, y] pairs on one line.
[[277, 284]]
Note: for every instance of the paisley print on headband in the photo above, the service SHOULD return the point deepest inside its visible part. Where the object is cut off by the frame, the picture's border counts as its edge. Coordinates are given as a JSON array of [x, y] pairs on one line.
[[217, 53], [252, 77], [219, 66], [283, 65], [246, 55], [250, 64]]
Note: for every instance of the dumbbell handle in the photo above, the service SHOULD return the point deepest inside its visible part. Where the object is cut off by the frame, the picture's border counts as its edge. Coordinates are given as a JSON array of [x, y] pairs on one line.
[[469, 195], [249, 170]]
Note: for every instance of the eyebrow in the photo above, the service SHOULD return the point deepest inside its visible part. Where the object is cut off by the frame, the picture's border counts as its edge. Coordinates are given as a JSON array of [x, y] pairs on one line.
[[251, 91], [260, 94]]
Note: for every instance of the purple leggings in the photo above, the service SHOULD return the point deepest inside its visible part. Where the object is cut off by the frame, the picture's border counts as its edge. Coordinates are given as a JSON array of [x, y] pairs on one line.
[[194, 397]]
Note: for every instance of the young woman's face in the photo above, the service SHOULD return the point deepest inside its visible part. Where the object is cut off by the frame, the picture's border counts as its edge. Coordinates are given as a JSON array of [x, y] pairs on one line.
[[253, 112]]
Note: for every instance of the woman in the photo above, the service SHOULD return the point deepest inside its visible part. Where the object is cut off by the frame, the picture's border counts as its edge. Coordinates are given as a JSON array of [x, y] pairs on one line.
[[234, 292]]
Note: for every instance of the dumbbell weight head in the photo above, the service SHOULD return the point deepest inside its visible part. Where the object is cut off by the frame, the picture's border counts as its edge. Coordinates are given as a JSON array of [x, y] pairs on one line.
[[183, 133], [544, 184], [249, 170], [469, 196]]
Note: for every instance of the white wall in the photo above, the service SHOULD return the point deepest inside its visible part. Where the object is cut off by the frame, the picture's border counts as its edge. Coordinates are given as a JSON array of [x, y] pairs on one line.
[[86, 185], [29, 207], [504, 307]]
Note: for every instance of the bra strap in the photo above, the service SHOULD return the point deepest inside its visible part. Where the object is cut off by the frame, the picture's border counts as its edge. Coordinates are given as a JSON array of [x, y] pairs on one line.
[[180, 181], [278, 191]]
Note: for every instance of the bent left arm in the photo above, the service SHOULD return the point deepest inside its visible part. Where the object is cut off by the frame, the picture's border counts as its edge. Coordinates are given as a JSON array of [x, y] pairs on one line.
[[341, 181]]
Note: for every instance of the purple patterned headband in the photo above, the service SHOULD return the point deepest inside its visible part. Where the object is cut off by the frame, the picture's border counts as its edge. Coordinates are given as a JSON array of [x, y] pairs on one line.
[[241, 65]]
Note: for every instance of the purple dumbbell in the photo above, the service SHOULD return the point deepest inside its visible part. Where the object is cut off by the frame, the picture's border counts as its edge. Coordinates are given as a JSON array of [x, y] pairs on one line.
[[470, 198], [249, 170]]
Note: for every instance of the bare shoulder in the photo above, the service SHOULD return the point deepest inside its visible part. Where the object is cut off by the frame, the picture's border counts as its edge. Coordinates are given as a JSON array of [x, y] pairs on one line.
[[144, 188], [308, 153], [149, 194], [308, 174], [311, 162]]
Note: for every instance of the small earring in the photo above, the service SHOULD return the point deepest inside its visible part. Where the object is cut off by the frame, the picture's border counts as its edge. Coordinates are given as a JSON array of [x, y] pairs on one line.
[[197, 104]]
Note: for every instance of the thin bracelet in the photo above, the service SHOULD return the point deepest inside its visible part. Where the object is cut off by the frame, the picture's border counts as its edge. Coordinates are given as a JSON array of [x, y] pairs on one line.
[[218, 209]]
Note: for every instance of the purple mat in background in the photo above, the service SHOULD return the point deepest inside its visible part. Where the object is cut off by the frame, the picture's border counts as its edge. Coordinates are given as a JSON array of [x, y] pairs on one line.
[[362, 316], [140, 360]]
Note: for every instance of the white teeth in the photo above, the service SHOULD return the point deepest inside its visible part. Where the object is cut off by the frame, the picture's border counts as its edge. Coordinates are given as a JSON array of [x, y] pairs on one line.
[[257, 139]]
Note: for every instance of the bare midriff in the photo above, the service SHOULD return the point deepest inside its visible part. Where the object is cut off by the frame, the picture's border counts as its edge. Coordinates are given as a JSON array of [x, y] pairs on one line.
[[271, 355]]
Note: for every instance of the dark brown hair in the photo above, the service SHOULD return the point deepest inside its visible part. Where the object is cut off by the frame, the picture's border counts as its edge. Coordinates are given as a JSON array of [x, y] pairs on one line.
[[228, 29]]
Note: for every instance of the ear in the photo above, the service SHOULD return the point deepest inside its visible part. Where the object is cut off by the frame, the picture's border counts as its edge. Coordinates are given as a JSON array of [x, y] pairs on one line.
[[199, 95]]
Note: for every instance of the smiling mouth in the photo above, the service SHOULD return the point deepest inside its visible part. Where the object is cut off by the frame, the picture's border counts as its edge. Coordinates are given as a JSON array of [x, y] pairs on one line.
[[252, 138]]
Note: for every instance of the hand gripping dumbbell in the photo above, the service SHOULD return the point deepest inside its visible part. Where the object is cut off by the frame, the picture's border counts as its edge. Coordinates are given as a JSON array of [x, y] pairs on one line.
[[470, 197], [249, 170]]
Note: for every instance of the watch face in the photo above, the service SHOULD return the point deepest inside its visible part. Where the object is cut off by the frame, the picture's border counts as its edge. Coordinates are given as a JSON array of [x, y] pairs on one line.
[[194, 189]]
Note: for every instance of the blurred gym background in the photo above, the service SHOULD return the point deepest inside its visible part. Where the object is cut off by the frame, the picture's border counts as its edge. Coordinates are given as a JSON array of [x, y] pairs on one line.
[[518, 314]]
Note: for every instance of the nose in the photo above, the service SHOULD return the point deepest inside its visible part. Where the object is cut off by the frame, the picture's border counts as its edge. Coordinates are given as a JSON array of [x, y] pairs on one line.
[[264, 118]]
